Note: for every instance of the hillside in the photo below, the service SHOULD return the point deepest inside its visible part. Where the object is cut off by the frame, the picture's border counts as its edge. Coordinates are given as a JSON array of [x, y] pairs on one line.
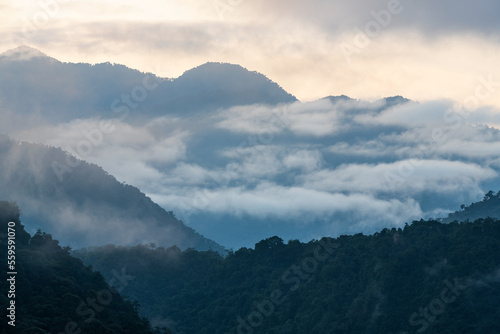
[[488, 207], [83, 205], [427, 277], [54, 292]]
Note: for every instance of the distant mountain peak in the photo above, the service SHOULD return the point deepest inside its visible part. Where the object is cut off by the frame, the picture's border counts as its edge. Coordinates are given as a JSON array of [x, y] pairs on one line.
[[253, 86], [230, 75], [22, 53]]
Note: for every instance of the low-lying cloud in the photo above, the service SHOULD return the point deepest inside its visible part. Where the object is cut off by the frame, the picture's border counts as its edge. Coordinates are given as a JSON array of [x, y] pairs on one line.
[[369, 166]]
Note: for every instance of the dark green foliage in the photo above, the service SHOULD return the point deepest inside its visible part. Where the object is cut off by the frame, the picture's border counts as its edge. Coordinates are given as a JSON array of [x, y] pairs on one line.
[[352, 284], [488, 207], [51, 285]]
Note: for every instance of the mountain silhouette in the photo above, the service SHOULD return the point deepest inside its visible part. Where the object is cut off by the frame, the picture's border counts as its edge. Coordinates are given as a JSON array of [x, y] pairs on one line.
[[35, 84]]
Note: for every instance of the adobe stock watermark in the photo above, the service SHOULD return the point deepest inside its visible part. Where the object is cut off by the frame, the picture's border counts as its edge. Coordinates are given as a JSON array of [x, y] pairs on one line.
[[293, 277], [87, 309], [453, 119], [426, 316], [372, 29], [48, 10], [95, 137], [221, 7]]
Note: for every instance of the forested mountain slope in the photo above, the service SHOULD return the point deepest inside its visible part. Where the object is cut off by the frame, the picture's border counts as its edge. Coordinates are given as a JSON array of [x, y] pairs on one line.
[[428, 277], [54, 292], [488, 207], [82, 205]]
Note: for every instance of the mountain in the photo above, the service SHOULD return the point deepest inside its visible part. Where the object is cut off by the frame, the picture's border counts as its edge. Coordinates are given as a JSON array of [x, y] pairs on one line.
[[53, 292], [426, 277], [82, 205], [35, 84], [218, 85]]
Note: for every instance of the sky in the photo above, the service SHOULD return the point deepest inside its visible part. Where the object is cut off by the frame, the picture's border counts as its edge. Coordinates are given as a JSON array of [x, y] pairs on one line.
[[421, 49]]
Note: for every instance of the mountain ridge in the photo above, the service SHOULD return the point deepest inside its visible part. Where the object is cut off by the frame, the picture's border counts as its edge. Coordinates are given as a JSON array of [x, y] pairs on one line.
[[234, 84], [65, 91]]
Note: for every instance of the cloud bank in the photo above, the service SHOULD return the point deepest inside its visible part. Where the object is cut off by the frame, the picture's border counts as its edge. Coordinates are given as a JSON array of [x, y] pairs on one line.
[[326, 167]]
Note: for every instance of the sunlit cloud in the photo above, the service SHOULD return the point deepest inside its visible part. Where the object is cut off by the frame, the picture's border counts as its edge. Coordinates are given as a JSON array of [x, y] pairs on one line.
[[272, 166]]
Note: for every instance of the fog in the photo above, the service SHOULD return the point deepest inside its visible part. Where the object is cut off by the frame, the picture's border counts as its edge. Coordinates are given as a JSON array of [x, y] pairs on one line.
[[326, 167]]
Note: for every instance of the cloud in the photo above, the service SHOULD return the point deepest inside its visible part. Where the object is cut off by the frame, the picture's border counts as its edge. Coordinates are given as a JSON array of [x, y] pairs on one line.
[[268, 200], [429, 16], [117, 146], [318, 119], [404, 178], [410, 115], [304, 160], [325, 167], [251, 165]]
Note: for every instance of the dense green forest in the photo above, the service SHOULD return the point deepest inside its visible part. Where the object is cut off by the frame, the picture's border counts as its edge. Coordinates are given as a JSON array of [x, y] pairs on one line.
[[54, 292], [428, 277]]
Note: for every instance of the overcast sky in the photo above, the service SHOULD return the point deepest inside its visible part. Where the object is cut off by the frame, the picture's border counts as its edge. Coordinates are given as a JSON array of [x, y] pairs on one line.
[[423, 49]]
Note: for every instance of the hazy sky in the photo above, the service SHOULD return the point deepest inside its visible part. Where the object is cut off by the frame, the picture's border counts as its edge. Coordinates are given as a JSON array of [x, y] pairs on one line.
[[420, 49]]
